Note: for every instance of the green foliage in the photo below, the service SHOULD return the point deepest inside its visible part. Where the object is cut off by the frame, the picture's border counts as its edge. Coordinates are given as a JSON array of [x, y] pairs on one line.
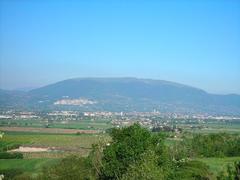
[[192, 170], [28, 166], [6, 155], [10, 174], [136, 153], [210, 145], [232, 172], [146, 168], [72, 167], [216, 165], [6, 145], [127, 146]]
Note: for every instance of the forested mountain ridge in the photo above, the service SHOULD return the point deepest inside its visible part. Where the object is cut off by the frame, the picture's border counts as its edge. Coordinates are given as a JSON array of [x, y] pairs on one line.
[[125, 94]]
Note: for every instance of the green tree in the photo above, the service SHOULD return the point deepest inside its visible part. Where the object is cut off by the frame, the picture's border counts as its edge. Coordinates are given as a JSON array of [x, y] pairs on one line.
[[146, 168], [126, 148]]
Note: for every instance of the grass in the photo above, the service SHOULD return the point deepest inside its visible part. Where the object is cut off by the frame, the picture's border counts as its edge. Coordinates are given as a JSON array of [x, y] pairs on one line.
[[34, 162], [28, 166], [82, 125], [53, 140], [65, 144], [213, 128], [218, 164], [54, 155], [85, 124]]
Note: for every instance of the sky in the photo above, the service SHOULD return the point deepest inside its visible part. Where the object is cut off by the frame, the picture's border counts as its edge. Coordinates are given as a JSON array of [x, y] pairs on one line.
[[196, 43]]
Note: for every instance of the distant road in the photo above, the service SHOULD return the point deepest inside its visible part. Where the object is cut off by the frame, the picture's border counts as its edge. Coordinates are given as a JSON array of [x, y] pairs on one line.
[[48, 130]]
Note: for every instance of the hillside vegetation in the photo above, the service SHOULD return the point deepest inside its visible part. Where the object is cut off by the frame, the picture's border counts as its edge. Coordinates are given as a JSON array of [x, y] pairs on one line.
[[121, 94]]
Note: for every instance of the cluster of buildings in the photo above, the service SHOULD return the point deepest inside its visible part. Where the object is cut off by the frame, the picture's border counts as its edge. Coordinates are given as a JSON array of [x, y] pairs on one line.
[[152, 120]]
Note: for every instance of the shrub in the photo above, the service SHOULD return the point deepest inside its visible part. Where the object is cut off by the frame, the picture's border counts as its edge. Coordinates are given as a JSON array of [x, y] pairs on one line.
[[127, 146], [210, 145], [5, 147], [192, 170], [6, 155], [146, 168], [72, 167], [10, 174], [231, 173]]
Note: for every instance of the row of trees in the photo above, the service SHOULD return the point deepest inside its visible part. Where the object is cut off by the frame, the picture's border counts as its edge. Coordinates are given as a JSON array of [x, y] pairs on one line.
[[208, 145]]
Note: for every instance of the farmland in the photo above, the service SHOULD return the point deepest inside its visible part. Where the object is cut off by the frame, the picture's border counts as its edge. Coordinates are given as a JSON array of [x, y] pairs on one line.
[[59, 123], [63, 145], [48, 130], [64, 136], [61, 142]]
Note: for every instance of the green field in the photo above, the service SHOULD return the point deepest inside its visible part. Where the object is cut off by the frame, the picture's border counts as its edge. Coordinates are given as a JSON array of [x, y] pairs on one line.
[[33, 162], [85, 124], [218, 164], [78, 143], [29, 166], [213, 128]]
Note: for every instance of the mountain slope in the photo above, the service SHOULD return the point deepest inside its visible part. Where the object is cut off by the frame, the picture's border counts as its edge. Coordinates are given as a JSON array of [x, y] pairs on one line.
[[114, 87], [11, 99], [131, 94]]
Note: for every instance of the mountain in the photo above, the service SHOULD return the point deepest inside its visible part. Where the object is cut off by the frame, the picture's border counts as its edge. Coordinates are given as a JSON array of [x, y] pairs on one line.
[[127, 94], [11, 99]]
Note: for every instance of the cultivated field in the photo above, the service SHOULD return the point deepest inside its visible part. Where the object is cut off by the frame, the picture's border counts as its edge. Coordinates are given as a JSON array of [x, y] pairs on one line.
[[60, 145], [48, 130], [62, 139]]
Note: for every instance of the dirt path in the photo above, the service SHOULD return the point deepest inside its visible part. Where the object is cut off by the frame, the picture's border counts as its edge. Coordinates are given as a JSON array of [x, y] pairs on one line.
[[30, 149]]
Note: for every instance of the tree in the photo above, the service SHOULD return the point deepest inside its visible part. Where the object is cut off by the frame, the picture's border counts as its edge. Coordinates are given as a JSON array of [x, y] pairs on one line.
[[146, 168], [127, 146]]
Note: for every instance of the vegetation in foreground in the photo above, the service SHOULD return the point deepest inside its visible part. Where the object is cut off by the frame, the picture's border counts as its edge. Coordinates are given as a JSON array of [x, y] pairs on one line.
[[136, 153]]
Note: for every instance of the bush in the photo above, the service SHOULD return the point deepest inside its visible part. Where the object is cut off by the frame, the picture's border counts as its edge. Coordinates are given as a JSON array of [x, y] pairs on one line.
[[5, 147], [146, 168], [6, 155], [10, 174], [192, 170], [72, 167], [231, 173], [127, 146], [210, 145]]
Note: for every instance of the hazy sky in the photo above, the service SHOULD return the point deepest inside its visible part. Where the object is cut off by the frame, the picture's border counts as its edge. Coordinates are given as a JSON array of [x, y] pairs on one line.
[[192, 42]]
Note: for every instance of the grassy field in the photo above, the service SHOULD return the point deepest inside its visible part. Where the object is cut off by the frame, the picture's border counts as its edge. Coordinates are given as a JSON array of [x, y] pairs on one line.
[[82, 125], [28, 166], [66, 144], [218, 164], [85, 124], [53, 140], [213, 128]]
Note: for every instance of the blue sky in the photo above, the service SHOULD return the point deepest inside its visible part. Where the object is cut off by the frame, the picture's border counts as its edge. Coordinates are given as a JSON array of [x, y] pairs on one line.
[[192, 42]]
